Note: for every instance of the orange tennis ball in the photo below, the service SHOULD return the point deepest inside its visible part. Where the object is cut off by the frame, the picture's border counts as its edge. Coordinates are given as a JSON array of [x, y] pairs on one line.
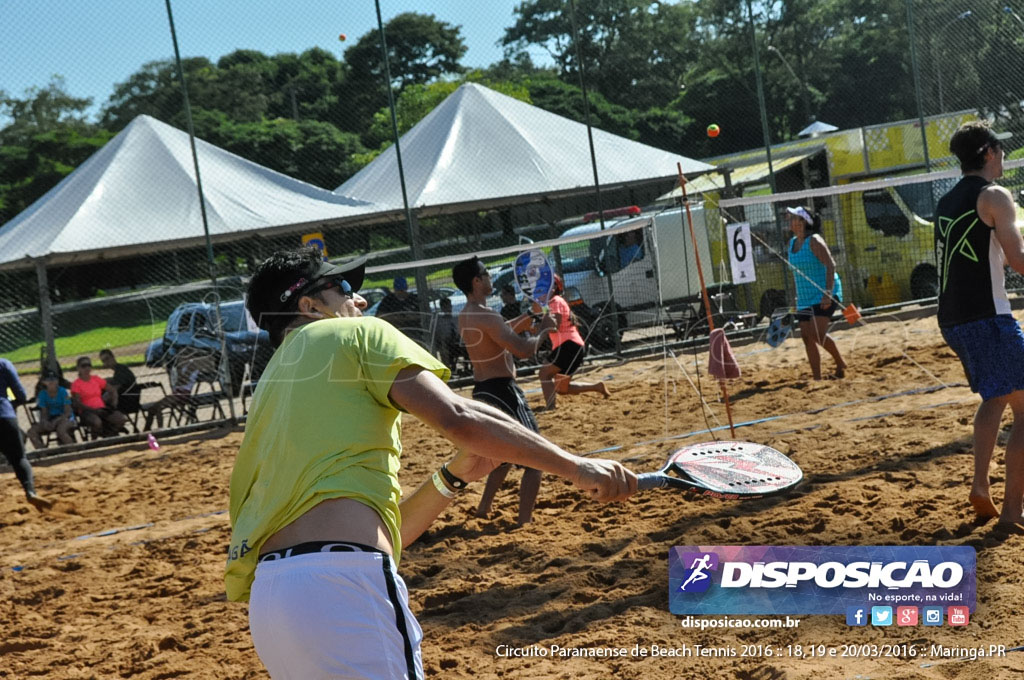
[[713, 130], [342, 37]]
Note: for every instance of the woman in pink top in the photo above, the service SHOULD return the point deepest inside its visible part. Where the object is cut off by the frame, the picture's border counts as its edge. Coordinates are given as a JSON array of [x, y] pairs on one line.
[[567, 353], [89, 396]]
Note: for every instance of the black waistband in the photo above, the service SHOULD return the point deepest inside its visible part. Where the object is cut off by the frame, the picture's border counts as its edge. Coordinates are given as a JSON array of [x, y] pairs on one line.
[[317, 547], [493, 382]]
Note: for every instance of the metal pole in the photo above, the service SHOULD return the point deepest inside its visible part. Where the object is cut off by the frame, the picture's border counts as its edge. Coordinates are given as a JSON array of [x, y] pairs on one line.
[[917, 84], [411, 224], [225, 367], [46, 316], [760, 99], [593, 164]]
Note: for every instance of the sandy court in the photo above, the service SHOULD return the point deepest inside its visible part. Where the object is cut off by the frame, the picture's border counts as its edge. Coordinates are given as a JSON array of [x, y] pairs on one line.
[[123, 577]]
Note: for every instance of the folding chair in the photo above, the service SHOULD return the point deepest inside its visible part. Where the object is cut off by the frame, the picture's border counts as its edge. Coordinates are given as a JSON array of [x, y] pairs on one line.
[[188, 411], [32, 411], [131, 403]]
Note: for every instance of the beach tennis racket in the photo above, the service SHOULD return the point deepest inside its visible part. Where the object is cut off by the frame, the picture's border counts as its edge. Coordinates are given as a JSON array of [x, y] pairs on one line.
[[779, 330], [726, 469], [534, 277]]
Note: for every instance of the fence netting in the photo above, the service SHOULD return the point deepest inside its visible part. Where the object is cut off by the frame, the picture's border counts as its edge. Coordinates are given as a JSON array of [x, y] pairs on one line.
[[852, 93]]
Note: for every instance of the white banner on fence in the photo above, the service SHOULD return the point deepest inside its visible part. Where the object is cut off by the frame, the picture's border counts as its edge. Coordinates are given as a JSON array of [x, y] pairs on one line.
[[741, 255]]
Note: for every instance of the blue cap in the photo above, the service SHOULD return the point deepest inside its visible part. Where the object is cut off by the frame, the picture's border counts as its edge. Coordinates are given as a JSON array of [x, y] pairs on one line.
[[400, 283]]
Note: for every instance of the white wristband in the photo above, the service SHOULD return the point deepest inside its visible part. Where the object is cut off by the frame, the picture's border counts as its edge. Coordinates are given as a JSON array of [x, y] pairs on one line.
[[440, 486]]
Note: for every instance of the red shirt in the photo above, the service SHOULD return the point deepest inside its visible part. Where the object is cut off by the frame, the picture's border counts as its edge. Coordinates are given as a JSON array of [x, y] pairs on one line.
[[565, 330], [91, 393]]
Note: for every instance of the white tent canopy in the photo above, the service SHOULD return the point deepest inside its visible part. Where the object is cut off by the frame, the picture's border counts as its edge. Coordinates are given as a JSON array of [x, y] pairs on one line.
[[479, 148], [816, 128], [138, 194]]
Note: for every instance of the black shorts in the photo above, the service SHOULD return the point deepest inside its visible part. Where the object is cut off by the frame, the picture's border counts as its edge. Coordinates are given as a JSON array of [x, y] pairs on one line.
[[807, 313], [567, 357], [505, 395]]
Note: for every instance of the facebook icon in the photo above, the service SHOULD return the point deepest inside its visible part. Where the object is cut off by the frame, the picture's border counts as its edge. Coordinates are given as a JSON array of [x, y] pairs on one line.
[[856, 616]]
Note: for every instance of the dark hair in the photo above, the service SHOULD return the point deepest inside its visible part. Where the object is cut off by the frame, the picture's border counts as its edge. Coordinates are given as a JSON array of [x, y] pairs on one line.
[[464, 272], [444, 303], [277, 273], [81, 360], [508, 288], [815, 226], [970, 142], [106, 352]]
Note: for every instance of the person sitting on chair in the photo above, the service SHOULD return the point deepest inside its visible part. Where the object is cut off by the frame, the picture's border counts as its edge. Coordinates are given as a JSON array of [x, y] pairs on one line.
[[184, 375], [55, 414], [95, 401], [123, 381]]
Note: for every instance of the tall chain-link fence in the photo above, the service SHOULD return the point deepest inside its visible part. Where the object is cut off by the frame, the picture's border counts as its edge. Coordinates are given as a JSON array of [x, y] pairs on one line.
[[879, 86]]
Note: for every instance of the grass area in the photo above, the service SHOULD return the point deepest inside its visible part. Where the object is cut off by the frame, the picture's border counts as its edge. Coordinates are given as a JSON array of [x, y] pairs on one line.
[[92, 341]]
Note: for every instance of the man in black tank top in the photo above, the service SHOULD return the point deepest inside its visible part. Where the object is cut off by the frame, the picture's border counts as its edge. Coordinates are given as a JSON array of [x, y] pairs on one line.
[[975, 236]]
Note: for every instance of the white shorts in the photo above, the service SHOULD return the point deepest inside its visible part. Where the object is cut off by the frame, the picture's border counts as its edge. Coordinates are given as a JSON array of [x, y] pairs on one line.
[[334, 615]]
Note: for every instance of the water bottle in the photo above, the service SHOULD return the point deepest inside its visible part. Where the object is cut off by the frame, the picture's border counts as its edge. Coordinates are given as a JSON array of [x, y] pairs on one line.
[[153, 443]]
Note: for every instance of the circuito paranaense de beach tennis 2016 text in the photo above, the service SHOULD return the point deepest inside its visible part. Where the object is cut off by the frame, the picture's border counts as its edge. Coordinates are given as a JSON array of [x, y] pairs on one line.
[[800, 651]]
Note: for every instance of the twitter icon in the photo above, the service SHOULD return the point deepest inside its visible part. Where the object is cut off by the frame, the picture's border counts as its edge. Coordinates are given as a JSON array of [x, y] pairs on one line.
[[881, 616]]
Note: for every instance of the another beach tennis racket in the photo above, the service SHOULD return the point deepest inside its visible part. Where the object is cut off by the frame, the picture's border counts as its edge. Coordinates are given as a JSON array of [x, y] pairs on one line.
[[534, 277], [728, 470], [779, 329]]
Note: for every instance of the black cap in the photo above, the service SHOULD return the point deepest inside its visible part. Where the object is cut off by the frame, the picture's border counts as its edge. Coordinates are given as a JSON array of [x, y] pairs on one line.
[[352, 272], [50, 375]]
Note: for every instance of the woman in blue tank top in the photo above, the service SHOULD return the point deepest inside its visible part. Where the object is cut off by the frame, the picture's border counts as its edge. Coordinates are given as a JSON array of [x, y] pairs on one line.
[[818, 288]]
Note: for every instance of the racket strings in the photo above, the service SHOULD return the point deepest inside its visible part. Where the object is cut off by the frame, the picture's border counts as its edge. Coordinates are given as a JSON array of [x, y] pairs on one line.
[[702, 452]]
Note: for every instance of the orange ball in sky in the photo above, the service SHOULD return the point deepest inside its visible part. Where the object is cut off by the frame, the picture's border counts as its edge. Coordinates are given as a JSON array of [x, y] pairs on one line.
[[342, 37], [713, 130]]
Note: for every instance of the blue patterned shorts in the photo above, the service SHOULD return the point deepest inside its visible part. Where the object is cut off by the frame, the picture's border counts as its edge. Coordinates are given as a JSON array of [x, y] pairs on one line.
[[992, 353]]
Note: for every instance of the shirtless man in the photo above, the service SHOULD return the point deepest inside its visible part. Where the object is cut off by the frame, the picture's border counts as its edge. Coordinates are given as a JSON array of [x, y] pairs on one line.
[[492, 342]]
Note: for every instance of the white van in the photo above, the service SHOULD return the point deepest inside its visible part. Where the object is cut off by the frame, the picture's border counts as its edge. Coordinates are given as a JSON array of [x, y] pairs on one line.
[[664, 258]]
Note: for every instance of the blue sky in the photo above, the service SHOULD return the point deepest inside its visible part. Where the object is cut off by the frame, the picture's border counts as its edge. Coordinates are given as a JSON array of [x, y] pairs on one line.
[[95, 44]]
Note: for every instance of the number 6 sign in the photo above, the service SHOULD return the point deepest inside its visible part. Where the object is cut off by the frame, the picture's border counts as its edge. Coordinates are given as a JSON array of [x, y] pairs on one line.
[[740, 253]]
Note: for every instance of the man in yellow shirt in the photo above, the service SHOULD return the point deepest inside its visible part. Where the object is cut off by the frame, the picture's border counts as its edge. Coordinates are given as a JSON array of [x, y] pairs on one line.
[[318, 523]]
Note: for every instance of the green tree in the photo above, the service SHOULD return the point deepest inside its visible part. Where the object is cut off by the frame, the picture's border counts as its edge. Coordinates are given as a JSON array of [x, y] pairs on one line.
[[245, 85], [420, 49], [309, 150], [154, 91], [633, 51], [48, 136], [826, 55]]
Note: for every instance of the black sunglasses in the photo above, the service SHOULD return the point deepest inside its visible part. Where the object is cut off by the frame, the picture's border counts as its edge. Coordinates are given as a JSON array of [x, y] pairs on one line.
[[326, 284]]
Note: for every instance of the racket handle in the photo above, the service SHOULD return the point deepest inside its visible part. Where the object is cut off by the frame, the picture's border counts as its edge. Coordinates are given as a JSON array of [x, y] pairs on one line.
[[650, 480]]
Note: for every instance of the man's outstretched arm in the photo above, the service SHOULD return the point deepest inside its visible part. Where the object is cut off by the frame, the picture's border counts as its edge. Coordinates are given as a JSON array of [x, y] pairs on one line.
[[485, 438]]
